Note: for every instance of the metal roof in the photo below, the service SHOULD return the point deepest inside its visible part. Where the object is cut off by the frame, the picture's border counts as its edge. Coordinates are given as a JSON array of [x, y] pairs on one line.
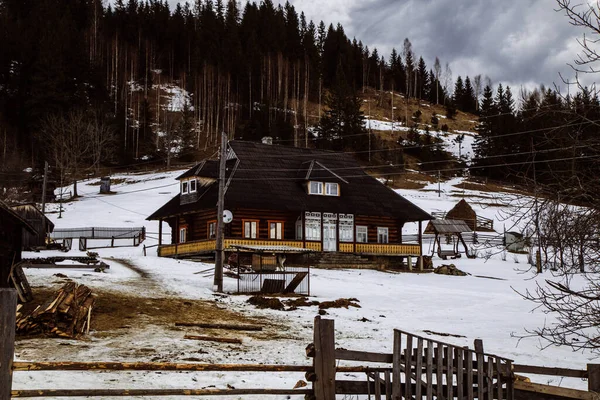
[[272, 249], [450, 226]]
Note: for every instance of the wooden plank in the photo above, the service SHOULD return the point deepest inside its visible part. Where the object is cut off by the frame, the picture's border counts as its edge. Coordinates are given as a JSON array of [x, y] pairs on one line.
[[377, 382], [154, 392], [449, 353], [554, 391], [293, 285], [459, 362], [396, 363], [554, 371], [408, 367], [213, 339], [469, 370], [499, 391], [324, 361], [439, 370], [510, 381], [221, 326], [388, 385], [351, 355], [593, 371], [489, 378], [419, 368], [480, 373], [429, 370], [8, 307]]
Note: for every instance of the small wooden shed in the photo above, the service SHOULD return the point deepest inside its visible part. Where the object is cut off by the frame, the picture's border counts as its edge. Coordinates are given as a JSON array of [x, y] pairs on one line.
[[12, 227], [464, 212], [39, 222]]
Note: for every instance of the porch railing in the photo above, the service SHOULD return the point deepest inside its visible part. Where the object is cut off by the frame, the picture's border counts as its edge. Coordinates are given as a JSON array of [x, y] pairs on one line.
[[206, 246]]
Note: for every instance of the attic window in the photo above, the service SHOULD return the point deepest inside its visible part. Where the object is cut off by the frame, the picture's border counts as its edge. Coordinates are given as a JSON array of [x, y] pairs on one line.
[[332, 189], [192, 186], [184, 187], [315, 187]]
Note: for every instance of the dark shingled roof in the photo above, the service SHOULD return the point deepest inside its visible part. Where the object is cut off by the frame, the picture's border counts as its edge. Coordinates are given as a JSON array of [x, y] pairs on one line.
[[274, 177]]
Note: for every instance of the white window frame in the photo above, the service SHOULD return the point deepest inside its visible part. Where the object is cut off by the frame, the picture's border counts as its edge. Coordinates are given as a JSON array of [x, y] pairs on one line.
[[276, 234], [328, 189], [182, 235], [319, 187], [193, 186], [184, 187], [252, 232], [383, 235], [362, 230], [212, 229]]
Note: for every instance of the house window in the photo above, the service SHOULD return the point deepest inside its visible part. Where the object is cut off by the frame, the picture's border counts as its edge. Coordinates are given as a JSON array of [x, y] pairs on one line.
[[315, 188], [182, 235], [362, 234], [382, 235], [192, 186], [332, 189], [212, 229], [312, 226], [250, 229], [346, 222], [299, 230], [184, 187], [275, 230]]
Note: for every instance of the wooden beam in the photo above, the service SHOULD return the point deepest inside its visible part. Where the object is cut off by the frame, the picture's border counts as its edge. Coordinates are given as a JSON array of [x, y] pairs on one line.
[[8, 313], [213, 339], [593, 372], [351, 355], [156, 366], [553, 371], [324, 361], [221, 326], [154, 392], [554, 391]]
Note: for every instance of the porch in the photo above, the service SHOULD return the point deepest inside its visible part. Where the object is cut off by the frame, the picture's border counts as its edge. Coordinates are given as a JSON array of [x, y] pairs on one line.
[[209, 246]]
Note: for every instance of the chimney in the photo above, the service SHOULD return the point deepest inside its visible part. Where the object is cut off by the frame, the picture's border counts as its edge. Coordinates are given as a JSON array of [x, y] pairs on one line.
[[267, 140]]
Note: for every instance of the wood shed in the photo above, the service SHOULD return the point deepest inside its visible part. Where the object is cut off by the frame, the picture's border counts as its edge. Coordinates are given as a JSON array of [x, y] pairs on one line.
[[11, 235], [464, 212], [42, 225]]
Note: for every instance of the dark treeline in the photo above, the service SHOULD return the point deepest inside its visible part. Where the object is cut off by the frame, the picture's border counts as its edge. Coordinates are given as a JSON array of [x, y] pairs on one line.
[[253, 71], [548, 140]]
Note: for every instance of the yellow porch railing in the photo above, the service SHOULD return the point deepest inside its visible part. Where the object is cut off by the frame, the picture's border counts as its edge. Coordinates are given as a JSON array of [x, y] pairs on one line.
[[389, 249], [205, 246]]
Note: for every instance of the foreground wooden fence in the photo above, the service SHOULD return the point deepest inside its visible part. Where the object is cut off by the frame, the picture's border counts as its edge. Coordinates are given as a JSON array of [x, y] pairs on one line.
[[418, 368]]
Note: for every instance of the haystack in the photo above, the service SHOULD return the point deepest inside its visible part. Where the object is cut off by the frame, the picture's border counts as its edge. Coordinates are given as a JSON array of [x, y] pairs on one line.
[[463, 211]]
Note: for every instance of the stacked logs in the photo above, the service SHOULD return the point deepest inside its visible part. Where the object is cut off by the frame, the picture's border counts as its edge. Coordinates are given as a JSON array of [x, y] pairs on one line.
[[67, 314]]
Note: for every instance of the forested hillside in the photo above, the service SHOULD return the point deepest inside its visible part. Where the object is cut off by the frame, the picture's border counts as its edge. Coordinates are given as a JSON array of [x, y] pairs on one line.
[[85, 84]]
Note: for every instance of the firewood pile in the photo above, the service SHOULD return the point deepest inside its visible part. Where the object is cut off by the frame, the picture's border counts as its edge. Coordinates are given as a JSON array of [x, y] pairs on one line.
[[67, 314]]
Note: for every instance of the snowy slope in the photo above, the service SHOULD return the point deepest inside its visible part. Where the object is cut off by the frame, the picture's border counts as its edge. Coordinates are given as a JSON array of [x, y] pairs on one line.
[[473, 306]]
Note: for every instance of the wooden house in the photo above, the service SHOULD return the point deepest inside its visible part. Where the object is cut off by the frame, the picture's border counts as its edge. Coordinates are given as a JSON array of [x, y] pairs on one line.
[[12, 226], [288, 197], [39, 222]]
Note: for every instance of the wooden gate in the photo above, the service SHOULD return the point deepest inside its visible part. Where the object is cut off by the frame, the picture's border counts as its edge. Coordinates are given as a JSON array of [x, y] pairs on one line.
[[429, 369]]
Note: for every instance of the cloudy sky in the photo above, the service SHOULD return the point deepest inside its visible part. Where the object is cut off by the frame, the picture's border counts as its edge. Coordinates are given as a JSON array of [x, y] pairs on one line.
[[519, 42]]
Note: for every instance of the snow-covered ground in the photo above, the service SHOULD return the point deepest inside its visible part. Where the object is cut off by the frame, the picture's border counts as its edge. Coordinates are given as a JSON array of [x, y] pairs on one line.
[[474, 306], [458, 143]]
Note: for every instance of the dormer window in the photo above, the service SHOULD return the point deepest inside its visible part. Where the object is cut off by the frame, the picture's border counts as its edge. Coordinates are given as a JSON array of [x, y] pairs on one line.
[[332, 189], [192, 186], [315, 187], [184, 187], [324, 189]]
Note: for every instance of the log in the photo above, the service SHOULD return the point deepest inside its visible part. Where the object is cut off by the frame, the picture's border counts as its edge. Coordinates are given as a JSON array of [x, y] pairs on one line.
[[154, 392], [8, 305], [213, 339], [221, 326], [161, 366]]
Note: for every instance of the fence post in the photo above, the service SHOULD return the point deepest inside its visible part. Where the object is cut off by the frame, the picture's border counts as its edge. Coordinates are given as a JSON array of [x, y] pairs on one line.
[[324, 361], [8, 311], [593, 371]]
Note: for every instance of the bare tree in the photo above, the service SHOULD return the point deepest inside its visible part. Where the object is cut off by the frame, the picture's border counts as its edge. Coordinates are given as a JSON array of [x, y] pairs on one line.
[[437, 69], [447, 79], [477, 83]]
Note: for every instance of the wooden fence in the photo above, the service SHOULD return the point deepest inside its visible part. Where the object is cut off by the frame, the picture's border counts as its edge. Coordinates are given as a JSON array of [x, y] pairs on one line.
[[419, 368]]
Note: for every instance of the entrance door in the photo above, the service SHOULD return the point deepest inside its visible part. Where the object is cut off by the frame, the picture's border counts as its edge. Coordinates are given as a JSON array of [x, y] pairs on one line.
[[329, 236]]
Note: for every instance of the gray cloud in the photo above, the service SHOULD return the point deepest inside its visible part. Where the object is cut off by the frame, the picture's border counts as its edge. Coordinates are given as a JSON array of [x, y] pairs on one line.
[[518, 42]]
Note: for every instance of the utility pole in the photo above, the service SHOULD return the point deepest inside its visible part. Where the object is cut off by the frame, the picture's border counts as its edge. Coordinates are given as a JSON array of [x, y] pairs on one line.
[[538, 253], [220, 254], [392, 110], [439, 185], [44, 197]]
